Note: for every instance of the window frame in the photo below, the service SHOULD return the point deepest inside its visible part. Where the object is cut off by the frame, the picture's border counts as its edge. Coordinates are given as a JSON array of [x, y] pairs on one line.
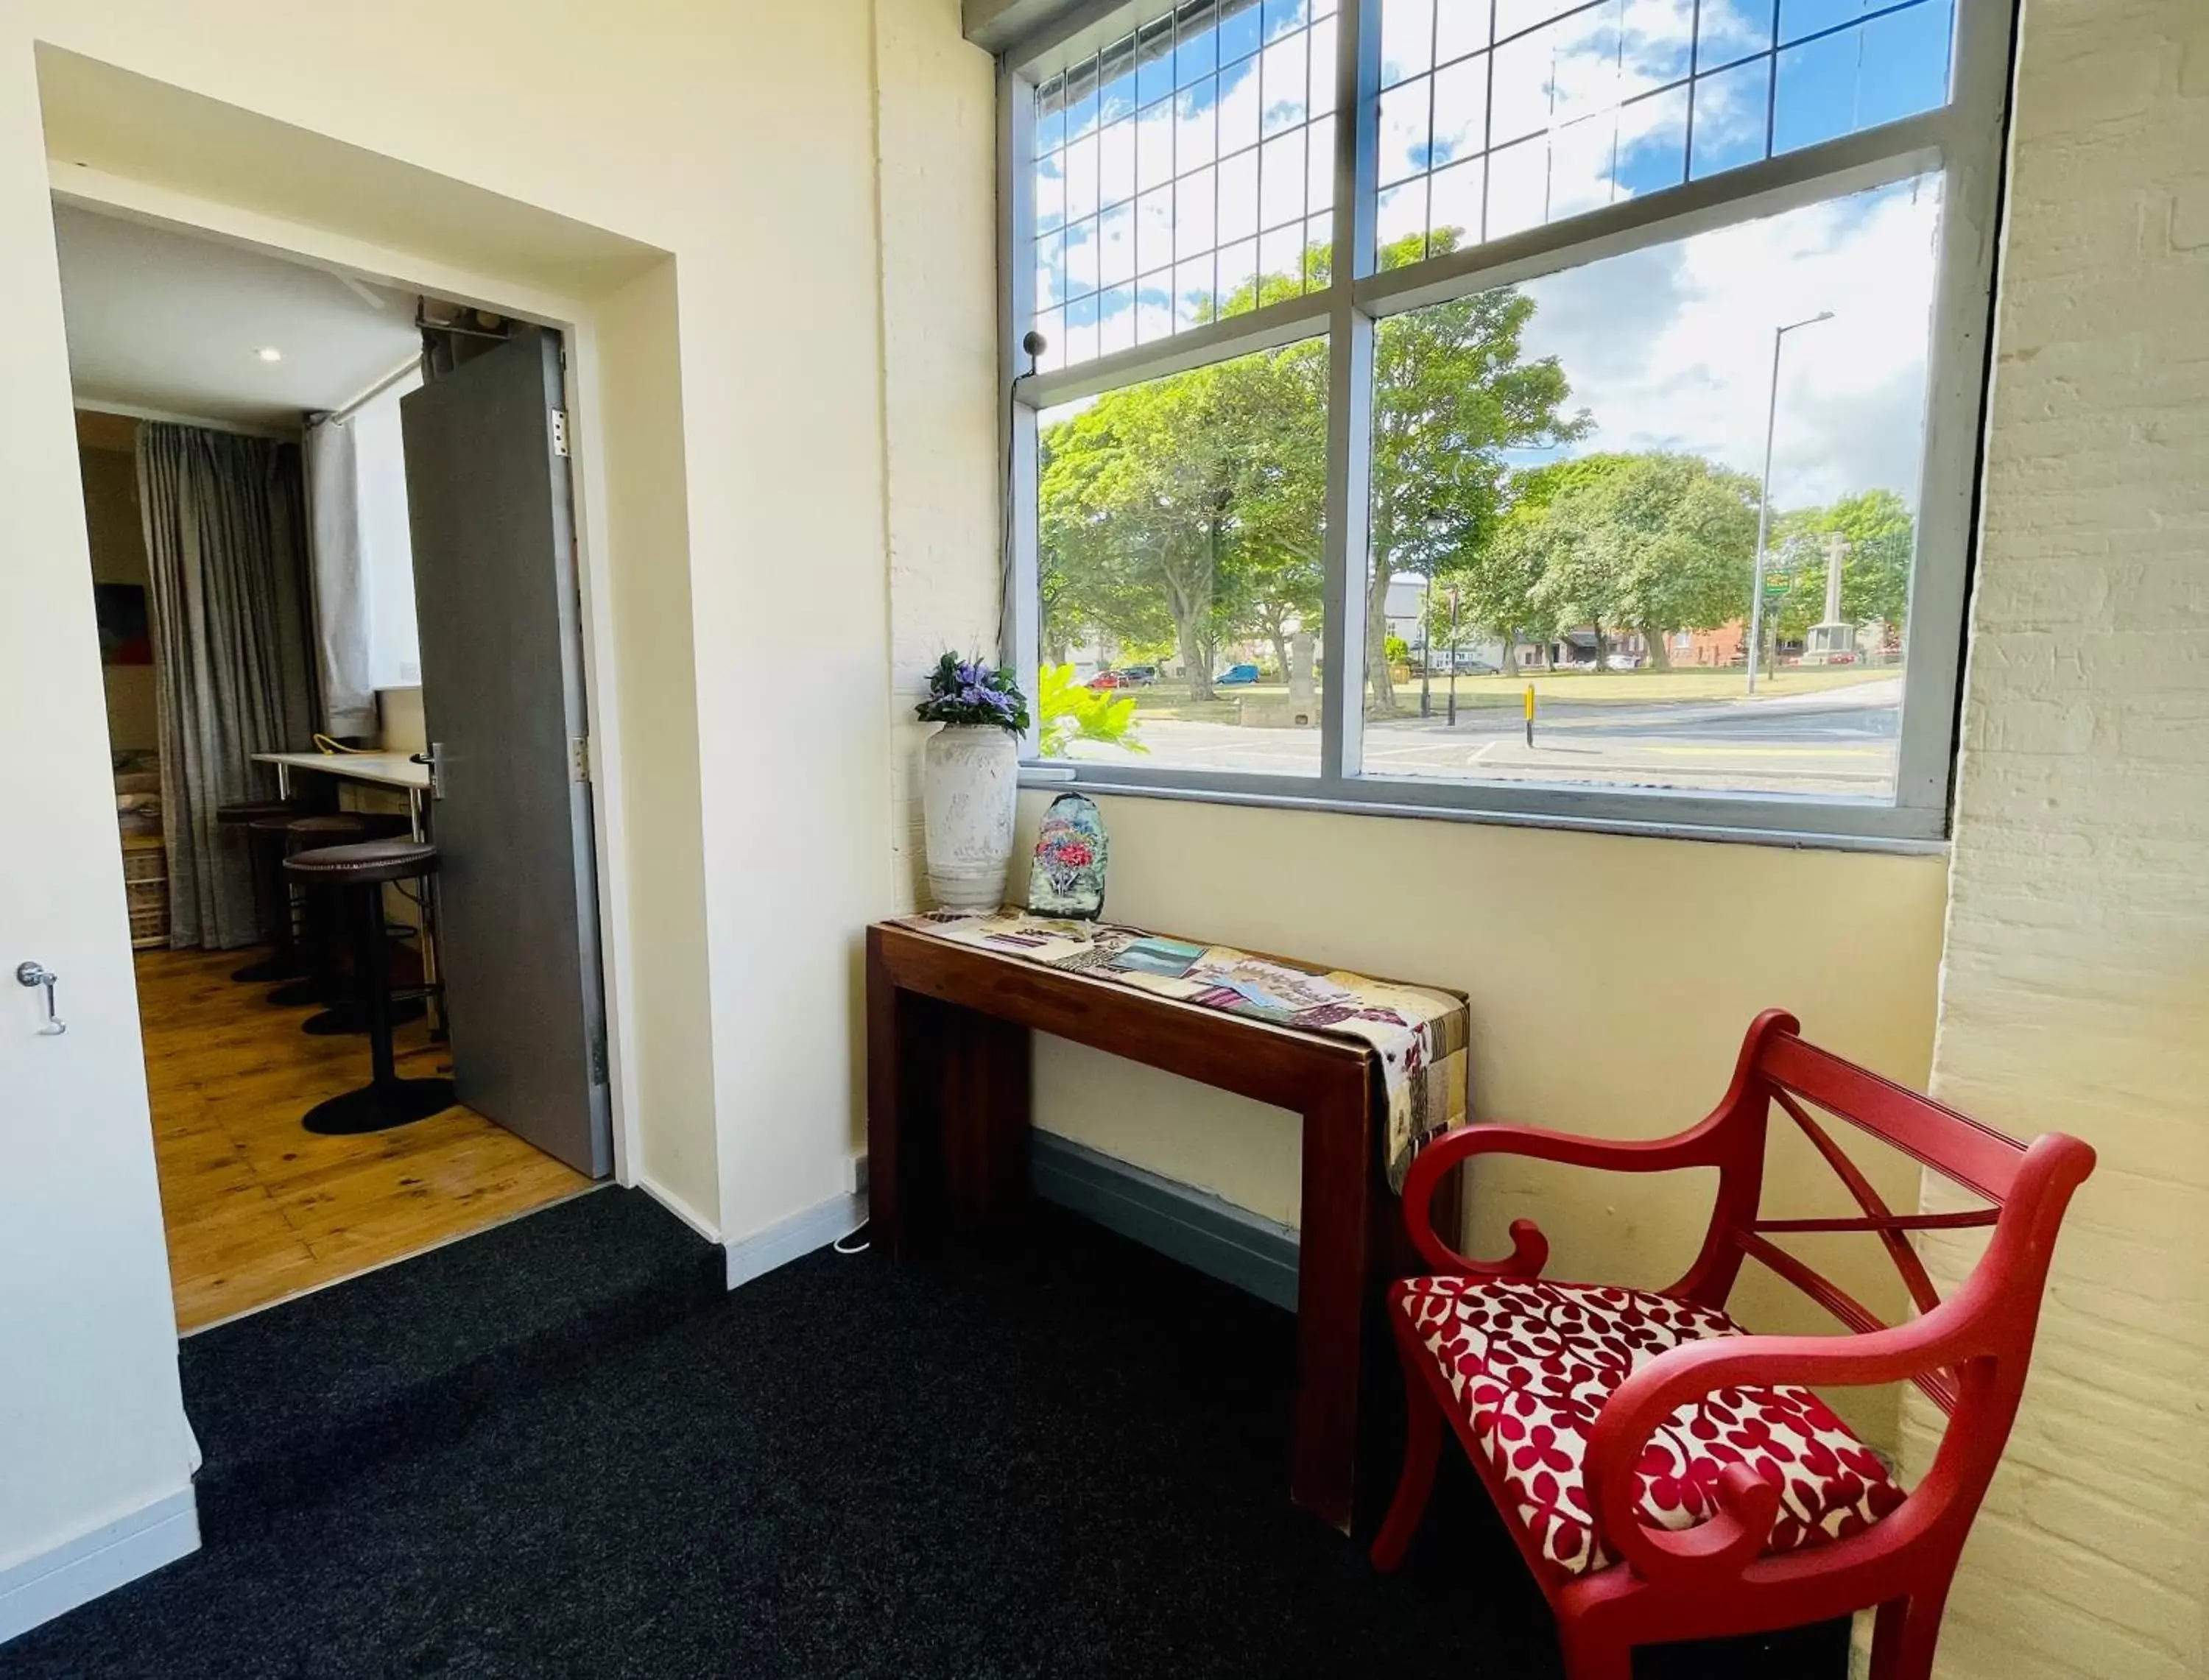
[[1963, 140]]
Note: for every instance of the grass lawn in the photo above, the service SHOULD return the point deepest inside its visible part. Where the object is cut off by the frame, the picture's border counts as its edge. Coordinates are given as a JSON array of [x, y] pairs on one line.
[[1565, 687]]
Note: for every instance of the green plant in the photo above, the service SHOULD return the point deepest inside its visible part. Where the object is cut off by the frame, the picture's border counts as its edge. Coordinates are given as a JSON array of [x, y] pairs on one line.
[[1071, 712]]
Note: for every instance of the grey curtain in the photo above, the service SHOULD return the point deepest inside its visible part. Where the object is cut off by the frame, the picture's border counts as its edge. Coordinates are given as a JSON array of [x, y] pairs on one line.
[[341, 589], [226, 540]]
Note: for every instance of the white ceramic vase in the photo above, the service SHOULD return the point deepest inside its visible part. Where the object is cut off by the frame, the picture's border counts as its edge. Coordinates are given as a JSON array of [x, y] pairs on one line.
[[969, 785]]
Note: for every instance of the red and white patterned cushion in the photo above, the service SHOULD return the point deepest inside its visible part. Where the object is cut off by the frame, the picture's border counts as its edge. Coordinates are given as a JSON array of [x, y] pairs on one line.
[[1532, 1364]]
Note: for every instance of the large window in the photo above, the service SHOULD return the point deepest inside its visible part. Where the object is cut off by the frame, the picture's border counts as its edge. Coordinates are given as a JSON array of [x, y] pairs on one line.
[[1577, 426]]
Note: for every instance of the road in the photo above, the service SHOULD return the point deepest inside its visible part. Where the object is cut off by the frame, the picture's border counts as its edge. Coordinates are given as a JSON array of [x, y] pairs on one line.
[[1839, 741]]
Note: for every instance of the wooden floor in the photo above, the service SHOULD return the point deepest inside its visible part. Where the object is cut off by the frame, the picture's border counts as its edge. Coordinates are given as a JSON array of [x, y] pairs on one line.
[[256, 1207]]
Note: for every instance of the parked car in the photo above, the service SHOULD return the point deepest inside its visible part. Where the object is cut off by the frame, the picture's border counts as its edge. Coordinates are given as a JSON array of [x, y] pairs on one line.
[[1107, 679], [1236, 676], [1138, 676]]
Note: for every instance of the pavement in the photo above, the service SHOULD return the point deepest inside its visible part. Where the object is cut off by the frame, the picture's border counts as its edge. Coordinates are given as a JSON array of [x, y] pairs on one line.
[[1838, 742]]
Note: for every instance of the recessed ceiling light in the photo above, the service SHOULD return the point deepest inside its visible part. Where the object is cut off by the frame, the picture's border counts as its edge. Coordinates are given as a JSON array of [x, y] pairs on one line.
[[269, 353]]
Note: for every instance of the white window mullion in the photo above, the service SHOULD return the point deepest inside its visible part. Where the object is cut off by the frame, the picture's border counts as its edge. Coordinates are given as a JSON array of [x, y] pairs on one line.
[[1350, 392]]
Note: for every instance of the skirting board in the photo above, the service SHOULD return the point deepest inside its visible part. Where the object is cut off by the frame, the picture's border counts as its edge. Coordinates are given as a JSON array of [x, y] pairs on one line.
[[755, 1256], [1215, 1236], [40, 1588]]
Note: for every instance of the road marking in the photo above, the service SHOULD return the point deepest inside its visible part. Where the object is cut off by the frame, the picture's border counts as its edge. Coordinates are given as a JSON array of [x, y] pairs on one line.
[[1765, 752]]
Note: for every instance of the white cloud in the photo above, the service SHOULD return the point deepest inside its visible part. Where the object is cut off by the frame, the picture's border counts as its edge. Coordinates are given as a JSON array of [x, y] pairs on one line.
[[1672, 347]]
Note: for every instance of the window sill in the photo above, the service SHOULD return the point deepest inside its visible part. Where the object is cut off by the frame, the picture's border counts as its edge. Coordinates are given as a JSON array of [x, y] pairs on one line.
[[1675, 817]]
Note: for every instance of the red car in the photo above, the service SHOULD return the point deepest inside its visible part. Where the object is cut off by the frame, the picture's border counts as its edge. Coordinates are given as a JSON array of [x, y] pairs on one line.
[[1106, 679]]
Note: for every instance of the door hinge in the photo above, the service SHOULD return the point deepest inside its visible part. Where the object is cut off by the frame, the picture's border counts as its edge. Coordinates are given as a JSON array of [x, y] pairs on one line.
[[598, 1059], [579, 758], [560, 432]]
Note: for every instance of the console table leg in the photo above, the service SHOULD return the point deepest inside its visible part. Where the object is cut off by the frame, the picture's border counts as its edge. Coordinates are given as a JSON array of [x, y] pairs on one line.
[[947, 1119], [1333, 1281]]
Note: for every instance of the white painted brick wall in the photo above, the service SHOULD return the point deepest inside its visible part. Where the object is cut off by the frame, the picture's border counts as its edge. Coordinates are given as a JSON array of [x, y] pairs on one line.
[[2075, 980], [936, 139]]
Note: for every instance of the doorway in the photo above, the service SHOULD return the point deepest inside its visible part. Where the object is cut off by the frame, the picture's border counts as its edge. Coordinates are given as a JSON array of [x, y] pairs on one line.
[[334, 401]]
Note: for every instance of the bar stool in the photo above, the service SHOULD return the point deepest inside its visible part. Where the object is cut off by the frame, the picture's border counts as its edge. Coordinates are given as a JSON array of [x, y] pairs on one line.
[[313, 953], [268, 883], [358, 872]]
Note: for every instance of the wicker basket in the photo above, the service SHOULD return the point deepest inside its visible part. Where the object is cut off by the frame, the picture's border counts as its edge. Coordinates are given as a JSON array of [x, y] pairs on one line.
[[146, 886]]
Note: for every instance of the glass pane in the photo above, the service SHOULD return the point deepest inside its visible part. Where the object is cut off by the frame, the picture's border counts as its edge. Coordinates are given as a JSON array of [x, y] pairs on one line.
[[1081, 329], [1729, 115], [1154, 139], [1728, 30], [1050, 270], [1081, 259], [1195, 229], [1237, 215], [1154, 307], [1197, 126], [1281, 180], [1284, 77], [1460, 27], [1179, 564], [1154, 61], [1154, 227], [1115, 81], [1238, 106], [1653, 144], [1403, 131], [1322, 67], [1399, 224], [1049, 191], [1195, 46], [1407, 39], [1116, 246], [1205, 137], [1567, 481], [1238, 30], [1116, 320], [1894, 66], [1238, 278], [1454, 213], [1116, 163], [1050, 116], [1081, 179], [1461, 110]]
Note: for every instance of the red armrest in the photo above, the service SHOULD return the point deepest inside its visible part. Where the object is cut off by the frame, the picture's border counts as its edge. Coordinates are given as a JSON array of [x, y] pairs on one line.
[[1737, 1535], [1699, 1145]]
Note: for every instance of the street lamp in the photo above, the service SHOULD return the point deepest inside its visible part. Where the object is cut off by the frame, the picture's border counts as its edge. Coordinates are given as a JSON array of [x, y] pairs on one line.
[[1453, 653], [1426, 644], [1764, 499]]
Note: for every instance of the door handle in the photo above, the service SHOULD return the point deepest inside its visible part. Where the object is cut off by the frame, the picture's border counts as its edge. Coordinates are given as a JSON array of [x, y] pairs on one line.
[[31, 975], [435, 759]]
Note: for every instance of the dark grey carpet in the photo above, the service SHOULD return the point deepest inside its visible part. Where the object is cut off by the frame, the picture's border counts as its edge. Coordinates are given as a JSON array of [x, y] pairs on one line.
[[557, 1448]]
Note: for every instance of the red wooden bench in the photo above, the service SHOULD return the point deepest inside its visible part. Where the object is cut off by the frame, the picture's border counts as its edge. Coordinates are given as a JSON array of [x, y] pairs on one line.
[[1668, 1477]]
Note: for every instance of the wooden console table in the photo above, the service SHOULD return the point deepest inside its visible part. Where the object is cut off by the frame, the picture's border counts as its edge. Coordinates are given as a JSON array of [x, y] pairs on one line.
[[949, 1094]]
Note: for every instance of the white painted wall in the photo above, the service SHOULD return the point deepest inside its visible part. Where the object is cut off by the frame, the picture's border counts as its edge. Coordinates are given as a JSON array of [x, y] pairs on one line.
[[1611, 980], [92, 1428], [747, 488], [936, 140], [2074, 992]]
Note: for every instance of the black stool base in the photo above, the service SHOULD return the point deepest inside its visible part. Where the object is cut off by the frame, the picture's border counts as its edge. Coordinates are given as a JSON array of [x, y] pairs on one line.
[[341, 1019], [380, 1107]]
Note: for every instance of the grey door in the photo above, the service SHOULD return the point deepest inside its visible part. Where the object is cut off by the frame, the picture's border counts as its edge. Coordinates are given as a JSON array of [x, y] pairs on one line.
[[502, 694]]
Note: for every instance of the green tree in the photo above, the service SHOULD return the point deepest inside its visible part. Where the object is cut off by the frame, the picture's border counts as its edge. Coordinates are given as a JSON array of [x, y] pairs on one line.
[[1452, 391], [1882, 542], [1649, 542], [1195, 499]]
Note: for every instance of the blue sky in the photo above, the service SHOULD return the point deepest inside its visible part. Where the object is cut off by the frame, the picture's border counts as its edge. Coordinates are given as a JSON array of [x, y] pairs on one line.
[[1173, 173]]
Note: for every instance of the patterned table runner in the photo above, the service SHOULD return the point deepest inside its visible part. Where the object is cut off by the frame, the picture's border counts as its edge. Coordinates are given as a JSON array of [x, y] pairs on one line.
[[1421, 1035]]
